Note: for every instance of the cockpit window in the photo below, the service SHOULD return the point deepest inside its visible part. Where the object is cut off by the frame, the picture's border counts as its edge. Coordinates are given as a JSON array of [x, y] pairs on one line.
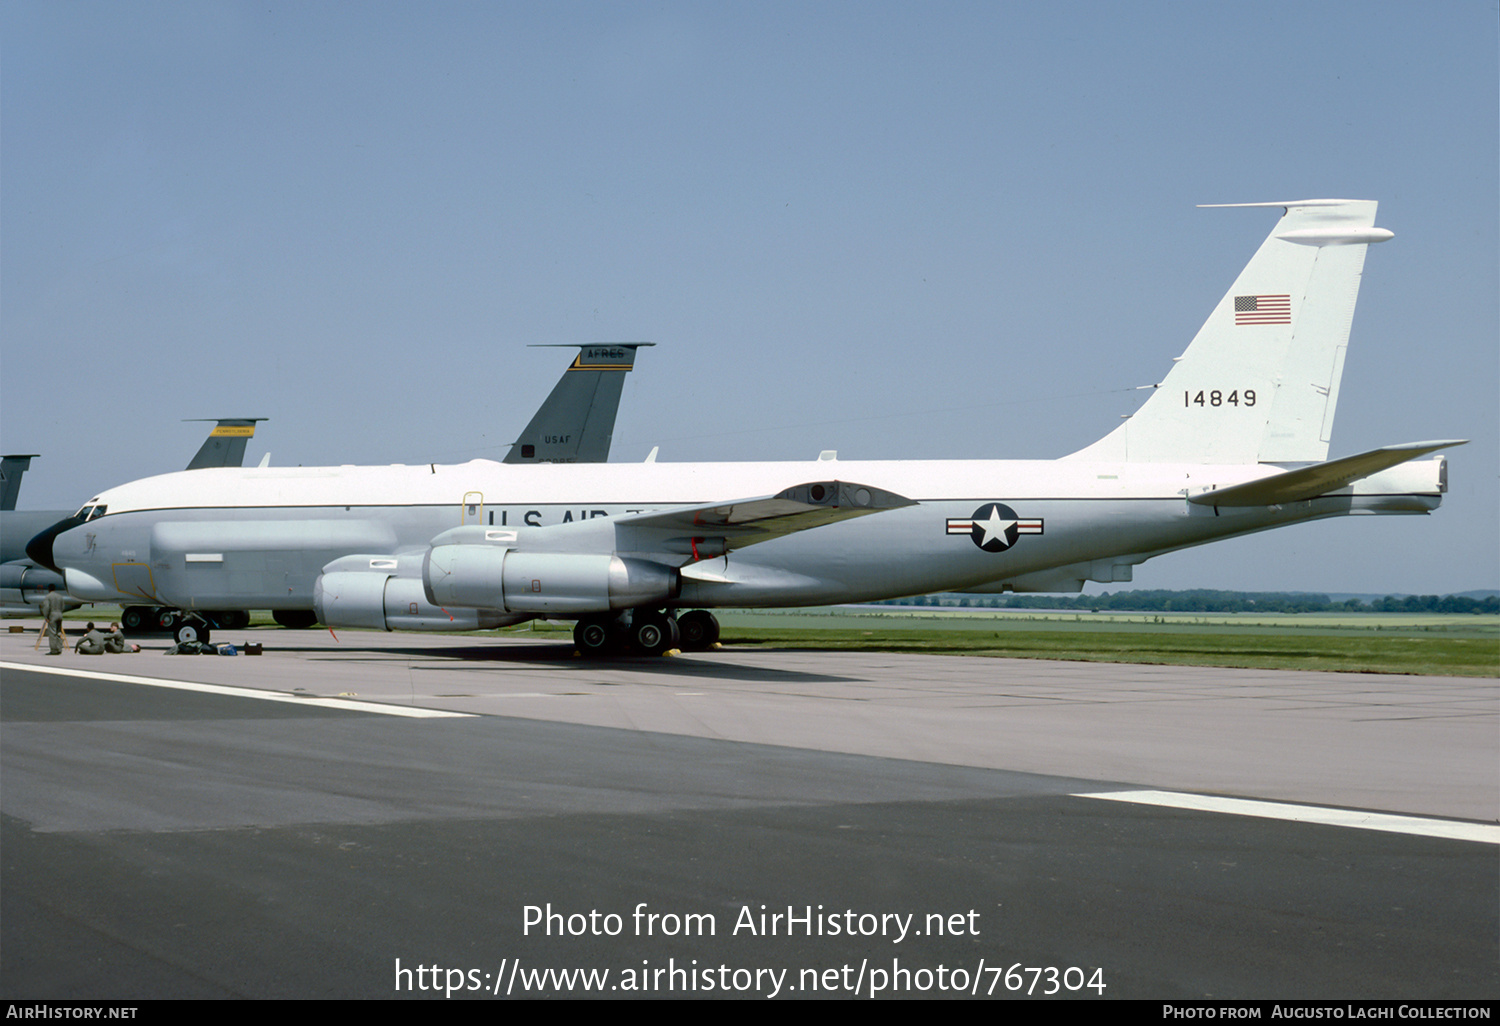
[[99, 511], [90, 512]]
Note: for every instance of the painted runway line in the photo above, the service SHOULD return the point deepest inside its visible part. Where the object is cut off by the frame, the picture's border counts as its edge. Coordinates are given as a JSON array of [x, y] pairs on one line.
[[1445, 828], [377, 708]]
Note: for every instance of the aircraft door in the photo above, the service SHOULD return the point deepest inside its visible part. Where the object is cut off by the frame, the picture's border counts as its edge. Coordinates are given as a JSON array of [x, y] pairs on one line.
[[134, 579]]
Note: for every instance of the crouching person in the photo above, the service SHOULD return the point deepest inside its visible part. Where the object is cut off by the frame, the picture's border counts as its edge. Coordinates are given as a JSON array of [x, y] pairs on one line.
[[92, 642], [115, 642]]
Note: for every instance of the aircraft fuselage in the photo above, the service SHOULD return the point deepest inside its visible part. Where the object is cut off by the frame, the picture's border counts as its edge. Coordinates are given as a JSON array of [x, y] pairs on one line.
[[261, 537]]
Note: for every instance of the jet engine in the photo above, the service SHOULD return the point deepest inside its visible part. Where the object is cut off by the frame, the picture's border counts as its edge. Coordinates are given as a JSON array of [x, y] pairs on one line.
[[377, 599], [544, 583], [21, 584]]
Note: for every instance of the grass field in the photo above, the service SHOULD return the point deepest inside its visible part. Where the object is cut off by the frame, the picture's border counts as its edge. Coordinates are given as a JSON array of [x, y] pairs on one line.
[[1442, 644], [1362, 643]]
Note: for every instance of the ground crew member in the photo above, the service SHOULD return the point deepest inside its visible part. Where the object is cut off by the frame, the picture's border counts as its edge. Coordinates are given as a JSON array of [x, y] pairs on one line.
[[116, 640], [52, 611], [92, 642]]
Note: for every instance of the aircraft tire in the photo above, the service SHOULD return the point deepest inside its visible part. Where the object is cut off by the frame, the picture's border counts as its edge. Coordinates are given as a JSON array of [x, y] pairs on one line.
[[700, 630], [230, 619], [135, 619], [652, 634], [168, 620], [595, 636], [294, 619], [190, 630]]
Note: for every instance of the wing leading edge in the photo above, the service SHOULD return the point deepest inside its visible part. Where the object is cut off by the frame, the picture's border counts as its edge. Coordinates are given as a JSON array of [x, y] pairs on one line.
[[695, 532], [724, 526]]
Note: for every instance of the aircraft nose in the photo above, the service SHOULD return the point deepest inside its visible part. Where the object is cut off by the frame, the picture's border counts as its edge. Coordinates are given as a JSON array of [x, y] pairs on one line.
[[40, 547]]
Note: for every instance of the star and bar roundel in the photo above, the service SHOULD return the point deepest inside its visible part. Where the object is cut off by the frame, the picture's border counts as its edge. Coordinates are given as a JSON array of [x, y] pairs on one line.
[[994, 527]]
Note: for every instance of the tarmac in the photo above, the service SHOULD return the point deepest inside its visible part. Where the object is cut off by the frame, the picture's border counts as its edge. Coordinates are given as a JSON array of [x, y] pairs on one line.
[[301, 824]]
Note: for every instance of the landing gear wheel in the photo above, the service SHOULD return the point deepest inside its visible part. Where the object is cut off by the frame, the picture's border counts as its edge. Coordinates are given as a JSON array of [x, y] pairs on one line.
[[294, 619], [190, 630], [595, 636], [168, 620], [651, 634], [230, 619], [137, 618], [700, 630]]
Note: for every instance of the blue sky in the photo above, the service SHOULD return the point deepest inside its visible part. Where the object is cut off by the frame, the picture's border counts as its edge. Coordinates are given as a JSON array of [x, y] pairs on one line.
[[895, 230]]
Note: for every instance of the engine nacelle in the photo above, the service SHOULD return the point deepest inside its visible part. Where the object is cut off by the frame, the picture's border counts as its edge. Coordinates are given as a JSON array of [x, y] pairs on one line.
[[379, 601], [22, 584], [557, 583]]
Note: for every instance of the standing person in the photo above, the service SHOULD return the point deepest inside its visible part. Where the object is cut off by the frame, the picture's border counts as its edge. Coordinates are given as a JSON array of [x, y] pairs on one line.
[[52, 612]]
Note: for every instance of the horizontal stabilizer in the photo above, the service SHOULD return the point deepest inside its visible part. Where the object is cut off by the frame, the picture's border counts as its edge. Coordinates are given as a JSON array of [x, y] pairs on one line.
[[1318, 479], [715, 528]]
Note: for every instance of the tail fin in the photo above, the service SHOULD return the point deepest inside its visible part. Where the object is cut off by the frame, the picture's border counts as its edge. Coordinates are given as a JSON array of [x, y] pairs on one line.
[[577, 422], [225, 446], [1260, 381], [11, 469]]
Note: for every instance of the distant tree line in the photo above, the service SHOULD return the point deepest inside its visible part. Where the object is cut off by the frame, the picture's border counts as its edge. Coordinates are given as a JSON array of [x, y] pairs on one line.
[[1204, 600]]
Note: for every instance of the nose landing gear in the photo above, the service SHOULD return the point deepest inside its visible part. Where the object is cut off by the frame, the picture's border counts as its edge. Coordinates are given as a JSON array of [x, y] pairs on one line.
[[190, 627]]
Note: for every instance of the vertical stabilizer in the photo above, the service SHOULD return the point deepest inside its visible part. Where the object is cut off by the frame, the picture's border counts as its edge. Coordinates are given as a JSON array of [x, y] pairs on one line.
[[577, 422], [225, 446], [1260, 381], [11, 469]]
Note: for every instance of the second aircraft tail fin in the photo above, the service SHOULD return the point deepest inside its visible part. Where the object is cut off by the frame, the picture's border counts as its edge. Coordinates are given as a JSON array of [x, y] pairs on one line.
[[1260, 380], [577, 422], [225, 445], [11, 470]]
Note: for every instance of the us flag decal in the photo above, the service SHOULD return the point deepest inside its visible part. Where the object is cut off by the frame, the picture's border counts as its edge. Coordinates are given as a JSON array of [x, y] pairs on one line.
[[1263, 309]]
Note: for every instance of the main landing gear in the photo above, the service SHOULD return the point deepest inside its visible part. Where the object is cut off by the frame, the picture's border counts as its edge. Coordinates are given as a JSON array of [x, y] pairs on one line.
[[183, 625], [700, 630], [648, 632]]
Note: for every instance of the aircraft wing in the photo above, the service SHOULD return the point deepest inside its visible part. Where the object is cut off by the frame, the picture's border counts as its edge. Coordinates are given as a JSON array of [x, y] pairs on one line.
[[1318, 479], [599, 563], [715, 528]]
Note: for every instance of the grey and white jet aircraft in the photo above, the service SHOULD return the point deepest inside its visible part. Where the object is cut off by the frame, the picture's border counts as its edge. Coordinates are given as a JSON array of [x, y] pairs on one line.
[[22, 582], [1233, 441], [575, 424]]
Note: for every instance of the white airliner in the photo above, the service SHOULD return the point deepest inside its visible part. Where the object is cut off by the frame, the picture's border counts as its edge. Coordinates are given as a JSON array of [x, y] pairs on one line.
[[1234, 440]]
